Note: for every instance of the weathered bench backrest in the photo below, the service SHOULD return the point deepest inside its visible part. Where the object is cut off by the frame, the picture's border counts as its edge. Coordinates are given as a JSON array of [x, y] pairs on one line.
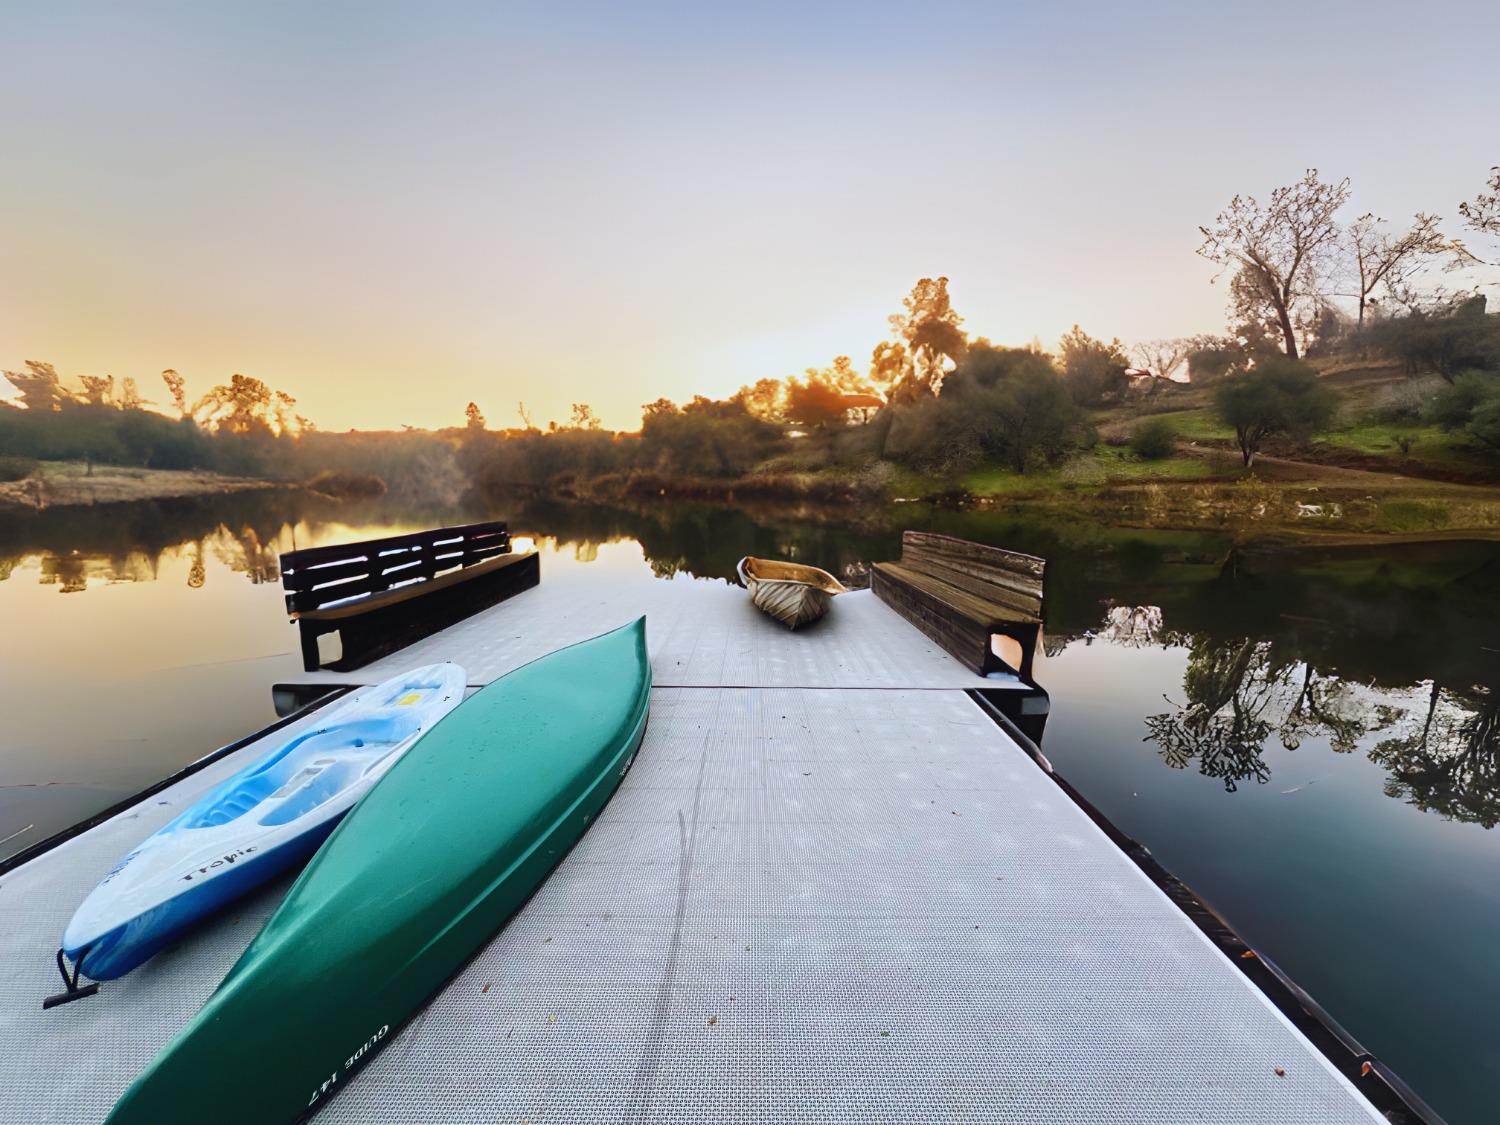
[[1007, 577], [317, 576]]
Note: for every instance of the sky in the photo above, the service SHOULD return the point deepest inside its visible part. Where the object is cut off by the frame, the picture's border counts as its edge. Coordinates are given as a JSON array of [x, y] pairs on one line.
[[389, 210]]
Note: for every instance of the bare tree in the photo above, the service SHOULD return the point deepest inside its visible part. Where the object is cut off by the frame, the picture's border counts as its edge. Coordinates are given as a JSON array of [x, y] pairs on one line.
[[1385, 258], [583, 417], [1283, 249], [130, 395], [1162, 357], [1483, 212]]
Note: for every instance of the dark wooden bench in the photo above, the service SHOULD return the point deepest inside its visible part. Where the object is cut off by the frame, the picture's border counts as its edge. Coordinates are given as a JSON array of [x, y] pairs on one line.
[[968, 598], [380, 595]]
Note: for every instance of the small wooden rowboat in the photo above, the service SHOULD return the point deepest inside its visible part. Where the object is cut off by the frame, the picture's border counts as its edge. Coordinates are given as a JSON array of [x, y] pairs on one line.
[[792, 593]]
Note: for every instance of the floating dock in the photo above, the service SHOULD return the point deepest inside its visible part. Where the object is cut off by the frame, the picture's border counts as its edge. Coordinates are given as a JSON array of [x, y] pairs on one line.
[[831, 889]]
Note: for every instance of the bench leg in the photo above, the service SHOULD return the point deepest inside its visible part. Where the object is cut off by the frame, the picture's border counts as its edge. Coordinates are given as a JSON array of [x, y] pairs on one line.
[[308, 633]]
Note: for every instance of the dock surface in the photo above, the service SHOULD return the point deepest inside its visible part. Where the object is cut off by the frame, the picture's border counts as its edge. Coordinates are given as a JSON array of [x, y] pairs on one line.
[[830, 889]]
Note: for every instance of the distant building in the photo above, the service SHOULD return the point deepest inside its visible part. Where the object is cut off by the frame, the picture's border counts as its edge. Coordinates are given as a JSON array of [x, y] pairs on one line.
[[860, 406]]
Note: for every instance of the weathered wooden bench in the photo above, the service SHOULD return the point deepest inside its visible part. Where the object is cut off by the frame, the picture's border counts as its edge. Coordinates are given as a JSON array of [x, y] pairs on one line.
[[982, 604], [380, 595]]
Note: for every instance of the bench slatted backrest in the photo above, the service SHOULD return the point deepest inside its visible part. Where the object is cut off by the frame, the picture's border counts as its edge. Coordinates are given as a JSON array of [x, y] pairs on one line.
[[318, 576], [1007, 577]]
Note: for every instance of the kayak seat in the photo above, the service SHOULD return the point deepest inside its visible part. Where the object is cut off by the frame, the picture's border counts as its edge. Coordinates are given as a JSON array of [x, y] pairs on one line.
[[319, 763]]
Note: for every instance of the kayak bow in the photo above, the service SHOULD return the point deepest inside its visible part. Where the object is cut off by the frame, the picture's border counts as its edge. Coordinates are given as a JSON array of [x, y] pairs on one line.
[[266, 818], [417, 879]]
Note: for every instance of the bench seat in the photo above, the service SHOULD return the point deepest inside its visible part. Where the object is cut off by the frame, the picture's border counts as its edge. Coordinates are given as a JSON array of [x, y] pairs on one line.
[[415, 590], [964, 595], [381, 595]]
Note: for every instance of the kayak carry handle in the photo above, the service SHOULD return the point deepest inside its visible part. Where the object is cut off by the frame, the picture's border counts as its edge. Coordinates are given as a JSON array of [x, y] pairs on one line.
[[73, 991]]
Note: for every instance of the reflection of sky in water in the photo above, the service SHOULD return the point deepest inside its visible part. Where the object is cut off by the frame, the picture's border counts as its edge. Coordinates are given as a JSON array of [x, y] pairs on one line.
[[1270, 795], [1387, 914]]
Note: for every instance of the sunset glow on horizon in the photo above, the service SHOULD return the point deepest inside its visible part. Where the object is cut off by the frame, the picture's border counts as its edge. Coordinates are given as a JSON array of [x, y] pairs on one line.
[[391, 210]]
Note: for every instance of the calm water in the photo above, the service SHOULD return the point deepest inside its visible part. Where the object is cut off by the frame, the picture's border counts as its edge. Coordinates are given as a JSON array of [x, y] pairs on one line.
[[1311, 740]]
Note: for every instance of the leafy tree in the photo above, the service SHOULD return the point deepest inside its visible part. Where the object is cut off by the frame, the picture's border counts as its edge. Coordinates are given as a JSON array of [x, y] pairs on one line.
[[1093, 370], [1212, 357], [890, 367], [1278, 396], [817, 403], [1282, 251], [985, 365], [931, 329], [1448, 344], [473, 418], [39, 386], [846, 377], [237, 407], [583, 418], [1470, 404], [704, 438], [98, 390], [763, 399], [1024, 421], [177, 388]]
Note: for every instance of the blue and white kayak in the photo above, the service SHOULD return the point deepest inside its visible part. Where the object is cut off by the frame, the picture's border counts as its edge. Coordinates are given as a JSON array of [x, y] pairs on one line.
[[269, 817]]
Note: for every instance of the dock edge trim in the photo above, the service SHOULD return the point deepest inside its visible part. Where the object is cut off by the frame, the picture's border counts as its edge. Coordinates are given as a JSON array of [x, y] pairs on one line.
[[1378, 1083], [26, 855]]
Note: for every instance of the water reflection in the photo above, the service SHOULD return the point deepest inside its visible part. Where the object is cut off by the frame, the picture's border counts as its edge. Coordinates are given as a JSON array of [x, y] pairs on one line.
[[1378, 650], [1439, 744], [1341, 704], [1447, 760]]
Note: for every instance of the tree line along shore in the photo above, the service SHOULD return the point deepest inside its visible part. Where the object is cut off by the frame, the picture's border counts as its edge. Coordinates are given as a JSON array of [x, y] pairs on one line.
[[1396, 391]]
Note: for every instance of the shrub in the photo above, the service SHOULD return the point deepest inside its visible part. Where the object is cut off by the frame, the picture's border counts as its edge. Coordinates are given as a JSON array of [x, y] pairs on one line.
[[1153, 439], [1278, 396], [16, 468], [346, 486], [1411, 515], [1404, 403]]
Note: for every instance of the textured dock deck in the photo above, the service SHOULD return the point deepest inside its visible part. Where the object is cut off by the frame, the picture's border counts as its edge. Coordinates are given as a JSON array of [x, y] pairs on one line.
[[830, 889]]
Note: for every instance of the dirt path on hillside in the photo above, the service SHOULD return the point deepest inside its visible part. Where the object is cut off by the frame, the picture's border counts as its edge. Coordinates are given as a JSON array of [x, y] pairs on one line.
[[1287, 470]]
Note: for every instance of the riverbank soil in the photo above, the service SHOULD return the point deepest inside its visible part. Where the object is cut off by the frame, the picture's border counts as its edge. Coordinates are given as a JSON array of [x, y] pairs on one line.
[[62, 483]]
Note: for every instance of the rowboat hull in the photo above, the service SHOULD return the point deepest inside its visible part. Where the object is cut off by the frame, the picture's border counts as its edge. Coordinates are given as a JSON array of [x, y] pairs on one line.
[[793, 594], [265, 819], [411, 885]]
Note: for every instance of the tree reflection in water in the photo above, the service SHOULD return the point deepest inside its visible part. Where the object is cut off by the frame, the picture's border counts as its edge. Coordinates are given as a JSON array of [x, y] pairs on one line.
[[1223, 723], [1320, 646], [1449, 761], [1442, 757]]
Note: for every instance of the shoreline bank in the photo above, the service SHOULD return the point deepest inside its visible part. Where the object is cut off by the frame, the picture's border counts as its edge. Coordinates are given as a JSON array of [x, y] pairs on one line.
[[69, 484]]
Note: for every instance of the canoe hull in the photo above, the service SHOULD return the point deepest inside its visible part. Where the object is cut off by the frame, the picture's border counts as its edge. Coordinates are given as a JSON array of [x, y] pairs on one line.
[[794, 604], [410, 886], [794, 594]]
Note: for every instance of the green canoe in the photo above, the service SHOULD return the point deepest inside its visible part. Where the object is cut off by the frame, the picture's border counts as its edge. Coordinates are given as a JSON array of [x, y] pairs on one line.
[[418, 877]]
